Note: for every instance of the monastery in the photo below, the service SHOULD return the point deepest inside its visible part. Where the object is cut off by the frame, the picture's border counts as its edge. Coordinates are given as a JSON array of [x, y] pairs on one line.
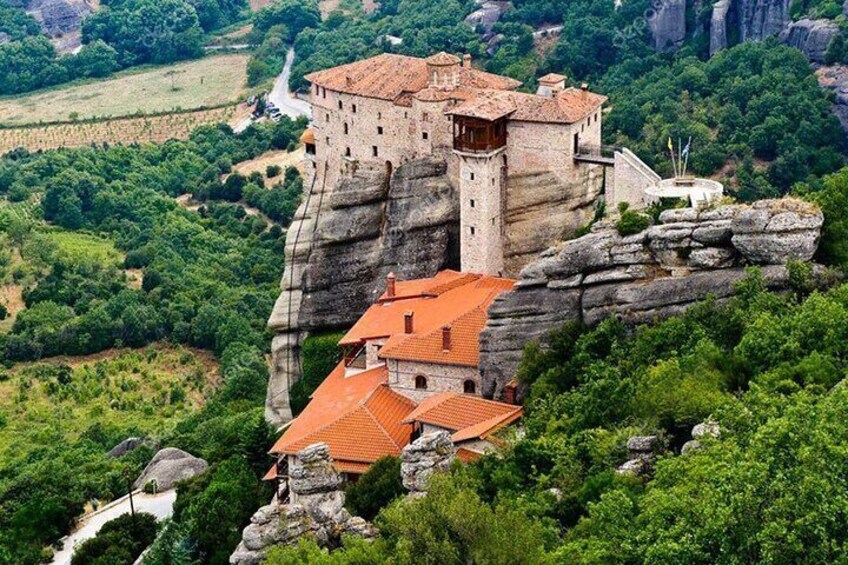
[[410, 368], [391, 109]]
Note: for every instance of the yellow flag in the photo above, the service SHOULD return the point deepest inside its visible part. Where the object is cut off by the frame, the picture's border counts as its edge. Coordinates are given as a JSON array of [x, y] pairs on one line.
[[670, 145]]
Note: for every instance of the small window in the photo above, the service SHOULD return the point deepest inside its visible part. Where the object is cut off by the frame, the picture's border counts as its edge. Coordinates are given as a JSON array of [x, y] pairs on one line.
[[375, 152], [327, 116], [323, 92], [347, 152], [328, 141], [406, 114], [354, 108], [379, 115], [471, 228], [425, 117], [341, 105], [472, 203], [420, 383], [493, 181], [469, 387], [379, 130], [346, 129], [472, 176], [425, 135]]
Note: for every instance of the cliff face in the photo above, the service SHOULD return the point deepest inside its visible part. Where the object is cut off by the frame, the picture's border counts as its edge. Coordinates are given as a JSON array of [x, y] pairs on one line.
[[342, 244], [653, 274]]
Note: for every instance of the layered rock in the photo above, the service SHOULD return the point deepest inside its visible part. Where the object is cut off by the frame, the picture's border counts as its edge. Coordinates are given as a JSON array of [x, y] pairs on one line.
[[343, 243], [317, 511], [430, 454], [812, 37], [170, 466], [642, 452], [653, 274], [750, 20]]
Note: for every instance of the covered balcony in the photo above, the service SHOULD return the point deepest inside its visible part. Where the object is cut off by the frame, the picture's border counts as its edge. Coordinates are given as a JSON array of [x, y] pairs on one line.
[[475, 135]]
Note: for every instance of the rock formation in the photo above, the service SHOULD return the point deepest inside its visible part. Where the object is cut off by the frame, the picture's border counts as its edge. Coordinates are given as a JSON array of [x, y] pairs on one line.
[[812, 37], [750, 20], [317, 511], [653, 274], [643, 453], [170, 466], [129, 444], [668, 25], [343, 243], [704, 429], [430, 454]]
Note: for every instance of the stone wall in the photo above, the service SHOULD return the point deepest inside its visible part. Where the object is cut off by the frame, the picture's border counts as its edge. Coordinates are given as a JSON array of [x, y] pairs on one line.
[[349, 237], [653, 274], [440, 378]]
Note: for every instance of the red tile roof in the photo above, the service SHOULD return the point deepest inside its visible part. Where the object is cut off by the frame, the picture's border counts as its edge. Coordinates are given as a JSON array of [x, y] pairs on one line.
[[469, 417], [451, 298], [388, 76], [467, 456], [442, 60], [566, 107]]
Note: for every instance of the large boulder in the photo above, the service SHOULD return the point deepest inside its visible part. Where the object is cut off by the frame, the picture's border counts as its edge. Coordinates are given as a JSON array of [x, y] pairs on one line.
[[772, 232], [430, 454], [317, 511], [170, 466], [129, 444]]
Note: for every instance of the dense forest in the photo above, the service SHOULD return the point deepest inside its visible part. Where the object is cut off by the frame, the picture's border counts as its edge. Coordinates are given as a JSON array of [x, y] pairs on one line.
[[209, 280], [123, 33]]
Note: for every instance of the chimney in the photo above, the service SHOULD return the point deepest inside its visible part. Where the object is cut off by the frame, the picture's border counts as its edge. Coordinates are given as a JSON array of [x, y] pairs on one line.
[[349, 80], [407, 323], [446, 338], [551, 84], [390, 285], [509, 393], [466, 60], [584, 88]]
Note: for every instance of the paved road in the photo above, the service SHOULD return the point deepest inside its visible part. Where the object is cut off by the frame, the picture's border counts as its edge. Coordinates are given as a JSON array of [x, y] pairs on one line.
[[160, 505], [283, 99]]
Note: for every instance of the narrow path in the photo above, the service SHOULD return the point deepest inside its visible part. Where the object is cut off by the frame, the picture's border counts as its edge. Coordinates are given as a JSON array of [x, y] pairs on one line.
[[160, 505]]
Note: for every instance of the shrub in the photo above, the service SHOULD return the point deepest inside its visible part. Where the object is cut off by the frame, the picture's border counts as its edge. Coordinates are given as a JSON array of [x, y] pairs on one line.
[[120, 541], [273, 171], [379, 486]]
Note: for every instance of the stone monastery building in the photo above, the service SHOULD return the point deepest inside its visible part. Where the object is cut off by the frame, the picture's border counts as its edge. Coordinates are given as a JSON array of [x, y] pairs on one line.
[[497, 142], [410, 368]]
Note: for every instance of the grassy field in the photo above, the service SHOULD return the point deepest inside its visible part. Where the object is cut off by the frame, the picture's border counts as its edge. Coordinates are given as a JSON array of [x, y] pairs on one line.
[[85, 248], [156, 129], [211, 81], [148, 389]]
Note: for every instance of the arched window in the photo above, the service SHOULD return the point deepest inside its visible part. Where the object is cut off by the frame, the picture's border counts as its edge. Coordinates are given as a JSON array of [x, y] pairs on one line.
[[420, 383], [469, 387]]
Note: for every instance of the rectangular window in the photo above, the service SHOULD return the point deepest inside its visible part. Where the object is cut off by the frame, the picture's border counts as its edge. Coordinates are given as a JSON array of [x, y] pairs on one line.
[[328, 141], [472, 176], [346, 129], [425, 135], [379, 130], [374, 151], [341, 105], [347, 152], [472, 230], [327, 115], [354, 108], [425, 117], [472, 203]]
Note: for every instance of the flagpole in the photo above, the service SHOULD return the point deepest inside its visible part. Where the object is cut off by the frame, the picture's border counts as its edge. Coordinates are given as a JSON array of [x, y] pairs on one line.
[[673, 164], [688, 151], [680, 155]]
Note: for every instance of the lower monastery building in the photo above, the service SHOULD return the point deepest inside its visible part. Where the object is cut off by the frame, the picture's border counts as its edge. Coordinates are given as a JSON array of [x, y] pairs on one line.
[[410, 368]]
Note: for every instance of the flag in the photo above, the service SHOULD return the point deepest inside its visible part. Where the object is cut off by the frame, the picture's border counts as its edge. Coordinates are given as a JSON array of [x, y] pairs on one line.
[[686, 149], [670, 145]]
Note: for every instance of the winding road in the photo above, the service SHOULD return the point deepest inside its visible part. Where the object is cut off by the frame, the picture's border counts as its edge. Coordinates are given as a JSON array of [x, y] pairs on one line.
[[283, 99]]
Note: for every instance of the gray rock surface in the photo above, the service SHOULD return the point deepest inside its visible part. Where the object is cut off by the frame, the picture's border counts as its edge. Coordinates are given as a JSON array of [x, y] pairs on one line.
[[643, 452], [430, 454], [654, 274], [59, 17], [343, 243], [668, 25], [170, 466], [812, 37], [317, 511], [750, 20]]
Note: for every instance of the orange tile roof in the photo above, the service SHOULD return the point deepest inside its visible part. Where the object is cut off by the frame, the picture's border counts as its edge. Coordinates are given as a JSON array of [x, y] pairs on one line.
[[442, 59], [271, 474], [567, 107], [308, 136], [552, 78], [451, 298], [467, 456], [467, 416], [389, 76]]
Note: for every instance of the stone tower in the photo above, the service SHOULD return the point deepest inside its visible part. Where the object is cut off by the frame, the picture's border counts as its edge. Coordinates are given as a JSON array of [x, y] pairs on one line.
[[482, 184]]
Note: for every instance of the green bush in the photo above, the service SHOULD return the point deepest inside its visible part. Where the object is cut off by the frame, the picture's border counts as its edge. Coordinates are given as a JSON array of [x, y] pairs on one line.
[[118, 542], [630, 222], [319, 356], [376, 488]]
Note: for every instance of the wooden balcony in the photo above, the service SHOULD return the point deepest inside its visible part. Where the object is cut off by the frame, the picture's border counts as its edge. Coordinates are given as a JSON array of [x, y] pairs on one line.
[[472, 135]]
